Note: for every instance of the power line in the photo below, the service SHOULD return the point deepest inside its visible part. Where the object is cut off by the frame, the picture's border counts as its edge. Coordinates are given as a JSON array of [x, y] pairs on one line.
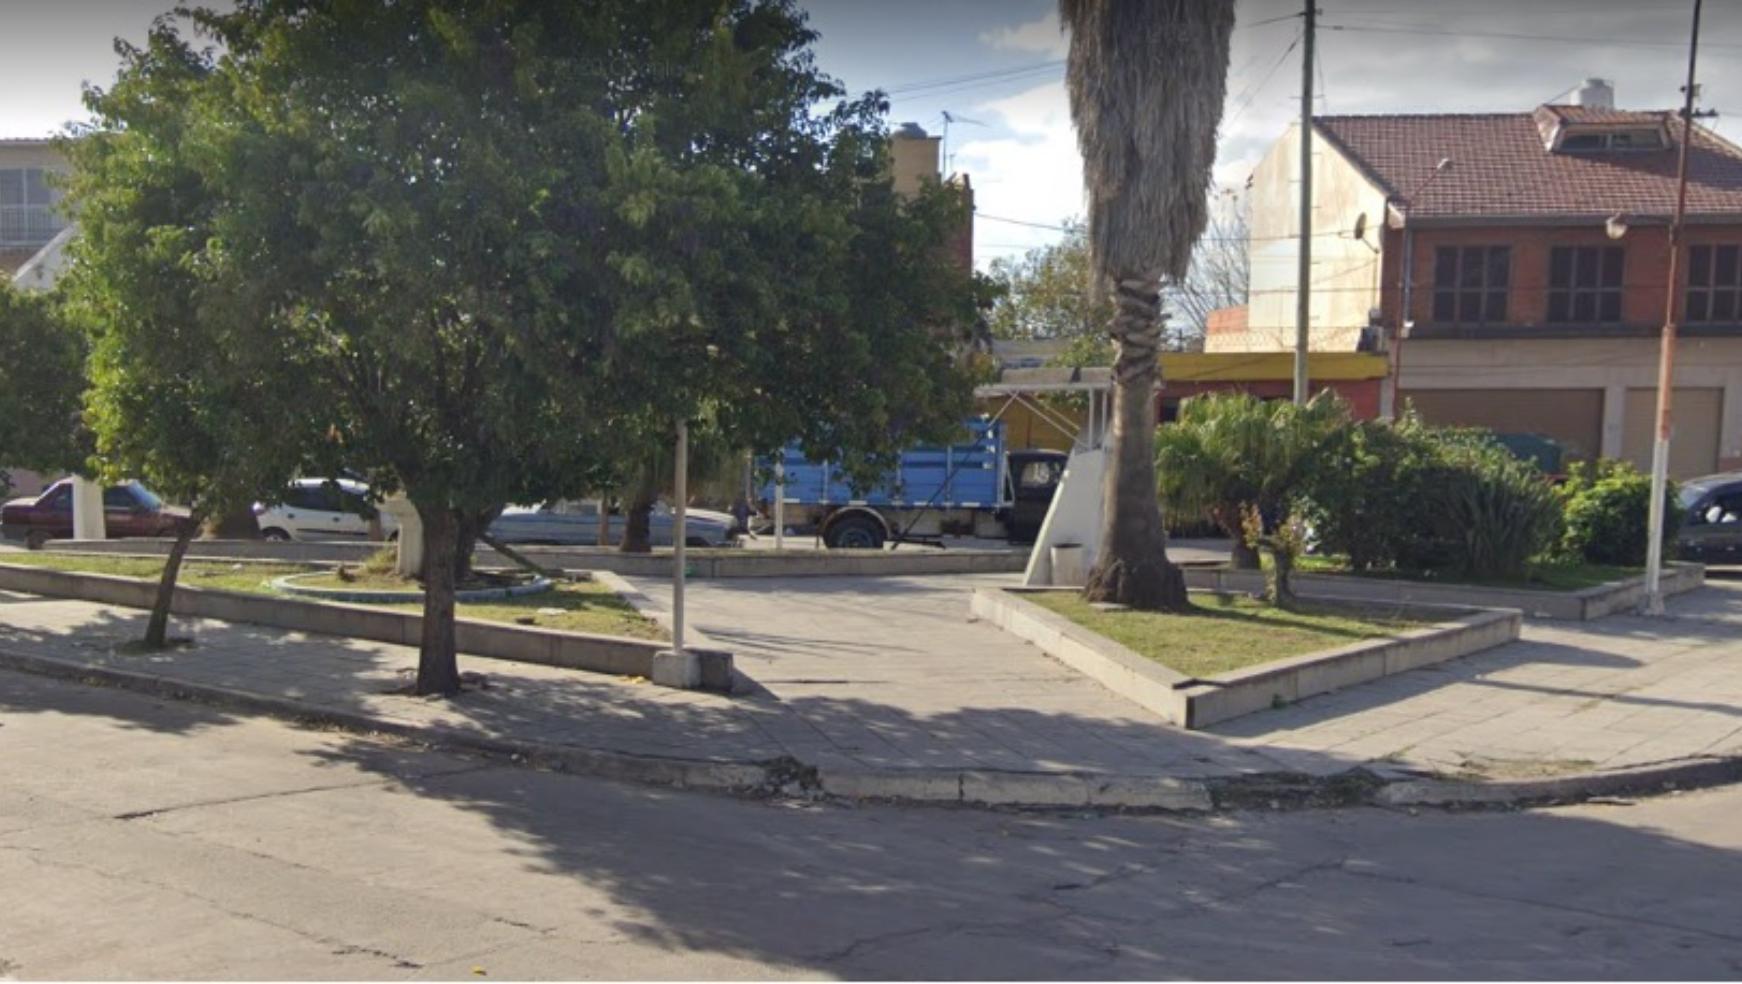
[[1206, 239], [1376, 28], [996, 75], [1254, 90], [1269, 20]]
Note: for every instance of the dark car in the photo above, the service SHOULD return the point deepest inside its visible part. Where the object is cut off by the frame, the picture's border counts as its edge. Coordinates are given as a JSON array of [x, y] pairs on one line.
[[129, 509], [1711, 530]]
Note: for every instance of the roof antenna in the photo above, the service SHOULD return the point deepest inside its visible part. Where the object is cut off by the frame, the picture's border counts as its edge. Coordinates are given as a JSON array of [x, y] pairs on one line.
[[949, 118]]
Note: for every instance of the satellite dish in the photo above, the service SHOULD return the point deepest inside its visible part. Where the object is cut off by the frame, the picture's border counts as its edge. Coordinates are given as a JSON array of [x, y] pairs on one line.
[[1360, 230]]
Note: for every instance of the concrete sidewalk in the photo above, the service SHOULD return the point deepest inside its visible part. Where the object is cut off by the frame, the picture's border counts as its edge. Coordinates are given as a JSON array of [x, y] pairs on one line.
[[879, 685]]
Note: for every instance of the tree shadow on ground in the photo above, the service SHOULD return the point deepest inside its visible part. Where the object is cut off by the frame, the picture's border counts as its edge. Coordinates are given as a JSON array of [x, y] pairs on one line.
[[881, 892]]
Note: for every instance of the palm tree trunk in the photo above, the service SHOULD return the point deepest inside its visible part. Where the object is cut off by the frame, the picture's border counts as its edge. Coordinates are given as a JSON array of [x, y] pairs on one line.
[[1131, 567], [1241, 555], [438, 668], [157, 629]]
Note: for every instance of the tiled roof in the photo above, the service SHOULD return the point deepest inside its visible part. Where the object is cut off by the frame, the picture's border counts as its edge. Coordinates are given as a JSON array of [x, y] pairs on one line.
[[1501, 165]]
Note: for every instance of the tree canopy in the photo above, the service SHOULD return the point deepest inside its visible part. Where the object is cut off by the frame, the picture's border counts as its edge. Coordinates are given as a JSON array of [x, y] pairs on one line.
[[501, 247], [42, 375]]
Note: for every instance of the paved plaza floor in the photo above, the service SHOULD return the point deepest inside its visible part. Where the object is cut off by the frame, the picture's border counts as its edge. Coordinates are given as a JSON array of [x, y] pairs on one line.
[[891, 673]]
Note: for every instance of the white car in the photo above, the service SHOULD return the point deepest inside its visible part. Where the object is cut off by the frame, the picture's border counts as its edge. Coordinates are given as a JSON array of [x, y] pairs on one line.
[[322, 509], [575, 523]]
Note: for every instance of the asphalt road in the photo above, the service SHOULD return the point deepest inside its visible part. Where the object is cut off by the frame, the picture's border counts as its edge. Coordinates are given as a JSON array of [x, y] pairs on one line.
[[143, 838]]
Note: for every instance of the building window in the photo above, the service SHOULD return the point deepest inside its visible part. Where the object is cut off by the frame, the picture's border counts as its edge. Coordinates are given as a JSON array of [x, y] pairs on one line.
[[1470, 284], [1714, 284], [28, 216], [1584, 284], [1614, 140]]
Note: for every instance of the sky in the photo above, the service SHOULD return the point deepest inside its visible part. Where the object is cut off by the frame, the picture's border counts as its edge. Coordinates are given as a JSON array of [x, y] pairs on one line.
[[996, 66]]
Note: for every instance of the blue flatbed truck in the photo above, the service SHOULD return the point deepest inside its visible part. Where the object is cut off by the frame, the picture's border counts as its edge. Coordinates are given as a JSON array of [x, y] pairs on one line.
[[976, 487]]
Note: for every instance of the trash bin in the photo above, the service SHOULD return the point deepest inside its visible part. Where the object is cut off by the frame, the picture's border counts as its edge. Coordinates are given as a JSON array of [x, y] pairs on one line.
[[1067, 565]]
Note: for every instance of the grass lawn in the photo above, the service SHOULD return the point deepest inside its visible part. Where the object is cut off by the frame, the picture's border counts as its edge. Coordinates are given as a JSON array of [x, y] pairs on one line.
[[1223, 633], [580, 606], [1538, 576]]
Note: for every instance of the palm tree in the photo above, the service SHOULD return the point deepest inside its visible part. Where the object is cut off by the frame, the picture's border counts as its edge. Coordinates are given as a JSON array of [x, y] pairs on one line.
[[1146, 80], [1229, 453]]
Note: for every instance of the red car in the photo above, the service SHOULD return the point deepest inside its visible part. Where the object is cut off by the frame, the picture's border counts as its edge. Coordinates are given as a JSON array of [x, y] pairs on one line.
[[129, 509]]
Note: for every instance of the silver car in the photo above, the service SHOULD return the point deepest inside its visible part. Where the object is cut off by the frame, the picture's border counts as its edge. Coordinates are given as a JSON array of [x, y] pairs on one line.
[[575, 523]]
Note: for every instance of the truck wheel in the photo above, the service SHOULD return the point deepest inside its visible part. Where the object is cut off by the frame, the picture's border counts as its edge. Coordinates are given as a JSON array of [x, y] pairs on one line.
[[275, 535], [35, 539], [854, 533]]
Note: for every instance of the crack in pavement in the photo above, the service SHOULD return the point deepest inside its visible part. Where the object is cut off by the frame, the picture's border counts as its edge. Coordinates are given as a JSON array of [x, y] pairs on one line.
[[334, 945], [1567, 908], [280, 793]]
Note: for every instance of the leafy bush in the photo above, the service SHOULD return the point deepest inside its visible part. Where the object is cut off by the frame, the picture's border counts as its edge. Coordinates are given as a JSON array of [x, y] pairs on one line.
[[1431, 500], [1486, 512], [1230, 452], [1608, 507], [1364, 499]]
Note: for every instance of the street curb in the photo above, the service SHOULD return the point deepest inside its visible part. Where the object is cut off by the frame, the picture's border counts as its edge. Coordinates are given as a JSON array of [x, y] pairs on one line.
[[789, 778], [1657, 777]]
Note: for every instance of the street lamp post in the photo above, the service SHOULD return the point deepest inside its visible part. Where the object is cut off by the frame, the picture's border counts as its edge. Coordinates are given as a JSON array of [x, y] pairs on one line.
[[1666, 349]]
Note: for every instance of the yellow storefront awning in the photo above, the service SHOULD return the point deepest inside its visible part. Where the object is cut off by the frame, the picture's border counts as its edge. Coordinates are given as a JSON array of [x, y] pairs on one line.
[[1236, 367]]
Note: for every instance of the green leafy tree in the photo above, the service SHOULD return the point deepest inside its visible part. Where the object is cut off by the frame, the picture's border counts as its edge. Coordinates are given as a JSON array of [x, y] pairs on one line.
[[42, 375], [504, 246], [1231, 453], [184, 393], [1146, 80], [1051, 292]]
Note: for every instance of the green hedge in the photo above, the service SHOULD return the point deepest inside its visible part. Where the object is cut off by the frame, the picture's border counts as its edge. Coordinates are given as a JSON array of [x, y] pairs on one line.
[[1607, 505]]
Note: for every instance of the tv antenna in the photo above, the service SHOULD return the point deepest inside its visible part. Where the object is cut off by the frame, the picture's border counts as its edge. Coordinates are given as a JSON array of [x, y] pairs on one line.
[[949, 120]]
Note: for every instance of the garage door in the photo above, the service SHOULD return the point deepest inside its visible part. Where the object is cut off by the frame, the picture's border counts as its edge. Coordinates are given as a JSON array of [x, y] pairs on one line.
[[1693, 451], [1573, 417]]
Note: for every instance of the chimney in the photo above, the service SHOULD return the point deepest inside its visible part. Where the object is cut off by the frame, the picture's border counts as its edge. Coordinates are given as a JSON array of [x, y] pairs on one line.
[[913, 158], [1595, 94]]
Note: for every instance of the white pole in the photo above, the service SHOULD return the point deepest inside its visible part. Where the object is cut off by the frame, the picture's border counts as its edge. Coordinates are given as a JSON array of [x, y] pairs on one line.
[[1666, 348], [88, 519], [679, 533], [780, 500], [1303, 293]]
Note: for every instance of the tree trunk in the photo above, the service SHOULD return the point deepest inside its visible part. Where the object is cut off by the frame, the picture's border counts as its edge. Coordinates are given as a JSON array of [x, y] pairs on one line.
[[1242, 556], [157, 630], [237, 524], [604, 521], [438, 669], [1131, 567], [469, 526], [1282, 579], [638, 520]]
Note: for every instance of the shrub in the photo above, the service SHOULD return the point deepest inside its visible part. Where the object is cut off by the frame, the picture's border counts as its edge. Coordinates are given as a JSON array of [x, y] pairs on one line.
[[1607, 505], [1432, 500], [1229, 452], [1364, 499], [1486, 512]]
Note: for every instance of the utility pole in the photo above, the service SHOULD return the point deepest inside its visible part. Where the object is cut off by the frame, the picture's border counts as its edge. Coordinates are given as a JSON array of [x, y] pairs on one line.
[[1303, 294], [1666, 353]]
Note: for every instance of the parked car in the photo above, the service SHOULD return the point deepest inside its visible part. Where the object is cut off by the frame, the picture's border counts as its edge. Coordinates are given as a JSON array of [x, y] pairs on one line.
[[129, 509], [1711, 531], [322, 509], [574, 523]]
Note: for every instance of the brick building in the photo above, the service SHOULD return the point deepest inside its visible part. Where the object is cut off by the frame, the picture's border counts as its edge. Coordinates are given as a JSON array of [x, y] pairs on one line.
[[1515, 266]]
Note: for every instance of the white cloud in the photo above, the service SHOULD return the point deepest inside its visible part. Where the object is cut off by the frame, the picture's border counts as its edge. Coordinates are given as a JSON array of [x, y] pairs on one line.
[[1040, 36], [1033, 174]]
